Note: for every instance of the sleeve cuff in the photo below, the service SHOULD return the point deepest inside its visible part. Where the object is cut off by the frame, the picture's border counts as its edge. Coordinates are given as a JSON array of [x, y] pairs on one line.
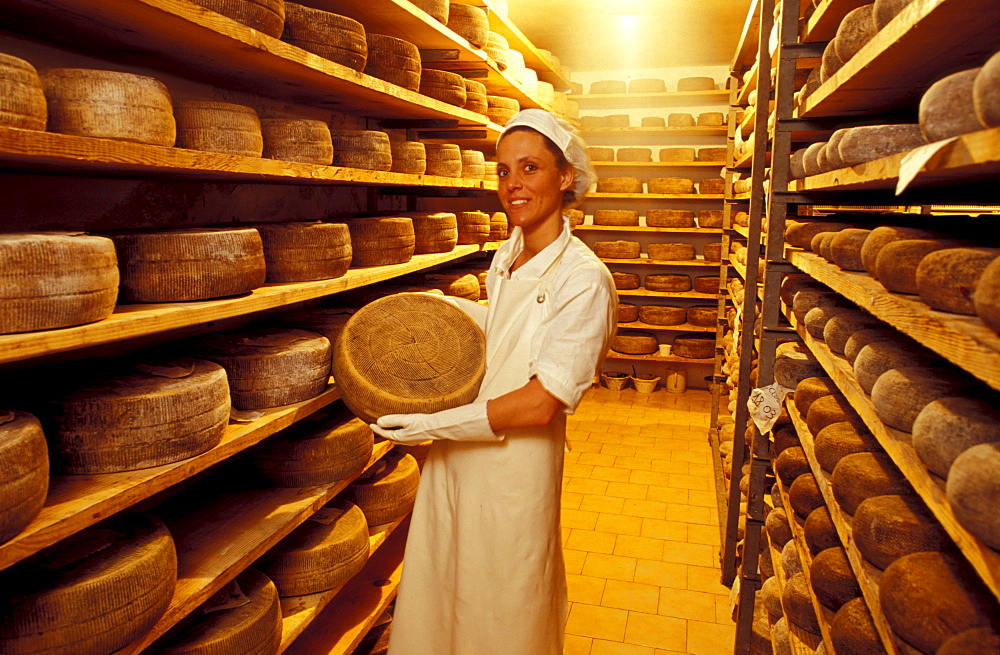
[[566, 393]]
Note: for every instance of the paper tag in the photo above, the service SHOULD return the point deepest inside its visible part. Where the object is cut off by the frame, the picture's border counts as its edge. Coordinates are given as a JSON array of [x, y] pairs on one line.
[[765, 405], [243, 415], [173, 372], [227, 598], [734, 594], [326, 515], [915, 160], [737, 322]]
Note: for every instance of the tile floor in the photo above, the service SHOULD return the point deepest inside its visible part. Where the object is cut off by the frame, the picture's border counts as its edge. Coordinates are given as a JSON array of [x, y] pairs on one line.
[[640, 528]]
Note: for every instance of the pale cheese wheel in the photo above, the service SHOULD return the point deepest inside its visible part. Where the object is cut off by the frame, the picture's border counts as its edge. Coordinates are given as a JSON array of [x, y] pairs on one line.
[[394, 60], [900, 394], [820, 531], [947, 108], [473, 227], [972, 488], [408, 157], [364, 149], [473, 165], [712, 252], [712, 154], [677, 154], [797, 604], [822, 245], [843, 324], [830, 62], [838, 440], [817, 318], [625, 217], [897, 262], [22, 99], [591, 122], [475, 96], [680, 119], [500, 109], [617, 120], [790, 464], [297, 139], [793, 363], [458, 284], [828, 410], [696, 84], [857, 342], [469, 22], [381, 240], [810, 160], [657, 315], [628, 313], [885, 10], [24, 471], [444, 159], [846, 248], [710, 218], [800, 233], [108, 105], [885, 528], [693, 346], [947, 427], [498, 226], [408, 353], [863, 475], [386, 491], [811, 389], [804, 495], [946, 279], [602, 87], [796, 166], [978, 641], [985, 97], [437, 9], [674, 218], [631, 342], [434, 232], [791, 563], [442, 85], [853, 631], [601, 154], [635, 154], [771, 595], [671, 251], [832, 150], [668, 282], [265, 16], [858, 145], [647, 85], [301, 252], [334, 37], [653, 121], [711, 119], [626, 281], [832, 578], [778, 529], [856, 29], [619, 185], [575, 216], [498, 49], [218, 127], [808, 298]]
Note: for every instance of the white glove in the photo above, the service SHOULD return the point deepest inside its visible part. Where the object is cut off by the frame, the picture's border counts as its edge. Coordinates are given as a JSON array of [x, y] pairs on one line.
[[475, 311], [465, 423]]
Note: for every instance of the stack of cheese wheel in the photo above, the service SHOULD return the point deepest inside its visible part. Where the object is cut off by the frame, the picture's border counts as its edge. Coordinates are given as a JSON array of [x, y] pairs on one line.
[[24, 471], [325, 551], [696, 84], [475, 96], [221, 625], [93, 592], [619, 185], [56, 280], [386, 491], [693, 345], [408, 353], [444, 159], [191, 264], [497, 49], [668, 282], [669, 218], [498, 227], [631, 342], [300, 252], [408, 157], [269, 367], [265, 16], [617, 249], [331, 36], [393, 60], [671, 251], [491, 173], [327, 321], [473, 165], [458, 284], [434, 232], [22, 103], [381, 240], [670, 185], [154, 413], [500, 109], [297, 139], [328, 446], [470, 23], [109, 105], [218, 127], [437, 9], [473, 227], [443, 85], [366, 149]]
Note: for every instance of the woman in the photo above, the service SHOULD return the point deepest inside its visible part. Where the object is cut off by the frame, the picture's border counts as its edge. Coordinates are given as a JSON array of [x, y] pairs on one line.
[[483, 567]]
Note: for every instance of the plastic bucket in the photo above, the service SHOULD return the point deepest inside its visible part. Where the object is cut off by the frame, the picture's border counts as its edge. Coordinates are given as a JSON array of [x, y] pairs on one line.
[[676, 381]]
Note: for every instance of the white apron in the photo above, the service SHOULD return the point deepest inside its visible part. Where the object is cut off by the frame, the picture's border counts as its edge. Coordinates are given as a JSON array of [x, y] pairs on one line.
[[483, 572]]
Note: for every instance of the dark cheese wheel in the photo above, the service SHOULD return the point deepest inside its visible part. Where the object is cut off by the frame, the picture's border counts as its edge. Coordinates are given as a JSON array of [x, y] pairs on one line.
[[833, 579], [864, 475], [888, 527], [820, 531], [804, 495]]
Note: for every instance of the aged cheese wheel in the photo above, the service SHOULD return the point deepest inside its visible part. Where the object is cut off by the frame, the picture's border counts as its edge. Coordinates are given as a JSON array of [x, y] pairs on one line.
[[408, 157], [809, 390], [804, 495], [978, 641], [816, 319], [946, 279], [218, 127], [831, 63], [635, 154], [22, 101], [797, 604], [677, 154], [24, 471], [793, 283], [856, 29], [331, 36], [575, 216], [475, 96], [297, 139], [810, 160], [711, 154], [800, 233], [696, 84], [897, 262], [790, 464], [947, 108], [712, 186], [408, 353], [900, 393], [863, 475], [473, 164], [703, 315], [387, 490], [829, 410], [876, 358], [793, 363], [693, 345], [625, 281], [653, 121], [647, 85], [680, 120], [927, 598], [381, 240], [94, 592], [778, 528], [251, 627], [617, 120], [838, 440], [668, 282], [888, 527], [438, 9], [444, 159], [443, 85], [608, 86], [322, 553], [631, 342], [669, 218], [791, 564], [820, 532], [784, 438], [657, 315], [843, 324], [853, 631], [108, 105], [498, 49], [394, 60], [671, 251], [833, 579], [619, 185], [707, 284], [822, 244], [986, 297], [458, 284], [616, 217], [470, 23], [712, 252], [601, 154], [846, 248], [710, 218], [269, 367], [984, 93], [668, 185], [832, 150], [473, 227], [947, 427], [300, 252], [498, 226], [628, 313], [857, 341], [796, 166], [808, 298], [711, 119], [858, 145], [434, 232], [365, 149], [265, 16], [973, 485], [886, 10], [771, 596]]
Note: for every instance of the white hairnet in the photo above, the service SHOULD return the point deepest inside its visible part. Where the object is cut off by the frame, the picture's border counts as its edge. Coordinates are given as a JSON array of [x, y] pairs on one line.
[[566, 139]]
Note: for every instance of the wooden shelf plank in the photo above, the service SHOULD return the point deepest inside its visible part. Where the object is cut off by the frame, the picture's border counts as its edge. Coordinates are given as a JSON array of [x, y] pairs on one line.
[[645, 293], [652, 262], [900, 63], [897, 445], [76, 502], [742, 230], [643, 228], [648, 99], [743, 97], [745, 50], [741, 196], [298, 612], [657, 196], [683, 327], [657, 164], [660, 358], [823, 23], [216, 541], [963, 340], [138, 320], [654, 131], [65, 152], [342, 626]]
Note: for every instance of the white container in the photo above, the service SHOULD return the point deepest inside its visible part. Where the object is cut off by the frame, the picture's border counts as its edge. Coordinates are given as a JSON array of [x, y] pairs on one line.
[[676, 381], [615, 383], [645, 385]]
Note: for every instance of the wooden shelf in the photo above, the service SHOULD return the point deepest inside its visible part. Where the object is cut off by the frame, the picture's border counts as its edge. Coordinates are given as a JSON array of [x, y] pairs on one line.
[[658, 164], [650, 99], [340, 628], [973, 157], [298, 612], [802, 642], [651, 262], [643, 293], [743, 161], [746, 46], [64, 152], [867, 575], [683, 327], [823, 23], [138, 320], [741, 196], [652, 230], [743, 97], [655, 131], [219, 539], [747, 124], [656, 196], [741, 230], [901, 64], [930, 488], [659, 358], [963, 340], [76, 502]]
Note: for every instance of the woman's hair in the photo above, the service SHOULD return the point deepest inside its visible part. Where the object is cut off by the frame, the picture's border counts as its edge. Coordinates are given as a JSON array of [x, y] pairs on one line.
[[569, 196]]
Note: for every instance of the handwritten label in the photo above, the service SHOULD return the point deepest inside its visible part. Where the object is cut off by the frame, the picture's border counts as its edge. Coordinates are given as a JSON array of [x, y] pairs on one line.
[[765, 405], [915, 160]]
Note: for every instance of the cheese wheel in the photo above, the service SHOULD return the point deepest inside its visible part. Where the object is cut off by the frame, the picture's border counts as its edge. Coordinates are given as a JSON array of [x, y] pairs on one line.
[[900, 393], [711, 119], [857, 341], [616, 120], [297, 139], [947, 427], [608, 86], [386, 491], [381, 240], [647, 85], [575, 216], [693, 346], [457, 284], [265, 16], [442, 85], [712, 154], [947, 108], [811, 389], [327, 321], [986, 297], [394, 60], [473, 164], [703, 315], [434, 232], [712, 252], [437, 9], [808, 298], [673, 218], [800, 233], [796, 166], [668, 282], [22, 101], [795, 282], [696, 84], [444, 159], [973, 485], [680, 119], [986, 99], [331, 36], [591, 122], [628, 313], [24, 471], [864, 475], [218, 127], [251, 627], [897, 262], [707, 284], [810, 160], [832, 150], [784, 438], [978, 641], [830, 62], [804, 495], [822, 245], [710, 218], [793, 363], [888, 527], [712, 186], [635, 343], [657, 315], [408, 353], [475, 96], [876, 358], [844, 323], [829, 410], [846, 248], [885, 10], [601, 154], [300, 252], [778, 528], [469, 22], [364, 149], [791, 564], [770, 595], [856, 29], [671, 251], [817, 318], [838, 440], [670, 185], [946, 279], [677, 154], [820, 532], [473, 227], [500, 109], [928, 597], [616, 217], [858, 145], [832, 578], [853, 631], [790, 464], [797, 604], [635, 154], [625, 281], [654, 121], [619, 185]]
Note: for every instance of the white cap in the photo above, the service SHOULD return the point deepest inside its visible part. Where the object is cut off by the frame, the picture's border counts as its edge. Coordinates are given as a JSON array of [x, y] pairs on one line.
[[566, 139]]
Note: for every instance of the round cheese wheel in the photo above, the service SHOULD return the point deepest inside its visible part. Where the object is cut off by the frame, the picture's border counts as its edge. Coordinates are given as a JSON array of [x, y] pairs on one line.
[[24, 471], [779, 637], [888, 527], [711, 119], [837, 440], [628, 313], [433, 232], [386, 491], [833, 579], [804, 495], [897, 263], [808, 298], [986, 297], [973, 485], [846, 248], [617, 249], [616, 217], [978, 641], [445, 86], [947, 107], [498, 108], [677, 154], [668, 282], [812, 389], [711, 185], [947, 427], [473, 227], [946, 279], [778, 528], [625, 281], [700, 83], [469, 22], [693, 345], [575, 216], [408, 157], [880, 356], [702, 315], [654, 121], [864, 475], [635, 154], [657, 315], [601, 87], [601, 154], [900, 393], [670, 185], [793, 363], [796, 166], [853, 631], [265, 16], [297, 139], [444, 159], [830, 62], [843, 324], [635, 343], [616, 120], [710, 218], [817, 318], [381, 240], [810, 160], [680, 120], [671, 251], [498, 49], [884, 235], [473, 164], [218, 127], [675, 218], [784, 437], [707, 284], [790, 464], [331, 36], [857, 341], [985, 98], [300, 252], [498, 226], [619, 185], [820, 531], [712, 252], [770, 595], [796, 602], [364, 149], [22, 104], [394, 60], [870, 142]]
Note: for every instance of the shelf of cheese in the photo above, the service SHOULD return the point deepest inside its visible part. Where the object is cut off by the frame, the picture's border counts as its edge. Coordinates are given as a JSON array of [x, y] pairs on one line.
[[655, 262], [299, 612], [643, 228], [659, 358], [822, 24], [924, 42], [742, 230], [655, 131], [740, 196], [657, 196], [683, 327], [867, 575], [650, 99], [972, 157], [75, 502], [743, 97], [897, 445], [138, 320], [746, 46], [645, 293], [801, 642], [65, 152], [658, 164], [963, 340]]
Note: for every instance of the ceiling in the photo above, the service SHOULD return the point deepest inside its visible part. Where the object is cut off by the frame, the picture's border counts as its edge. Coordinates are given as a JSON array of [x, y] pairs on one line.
[[596, 35]]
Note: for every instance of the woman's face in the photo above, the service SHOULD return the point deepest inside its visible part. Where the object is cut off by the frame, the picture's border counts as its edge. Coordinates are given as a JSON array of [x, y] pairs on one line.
[[531, 183]]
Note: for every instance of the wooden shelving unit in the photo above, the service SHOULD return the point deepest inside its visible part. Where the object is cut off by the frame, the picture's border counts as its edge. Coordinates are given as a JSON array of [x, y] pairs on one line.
[[649, 99], [683, 327], [822, 24], [619, 132], [801, 642], [656, 196], [657, 358], [642, 229], [658, 164], [652, 262], [644, 293]]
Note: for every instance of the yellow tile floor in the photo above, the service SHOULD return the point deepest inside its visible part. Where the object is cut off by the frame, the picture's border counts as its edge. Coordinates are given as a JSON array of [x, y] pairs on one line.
[[640, 527]]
